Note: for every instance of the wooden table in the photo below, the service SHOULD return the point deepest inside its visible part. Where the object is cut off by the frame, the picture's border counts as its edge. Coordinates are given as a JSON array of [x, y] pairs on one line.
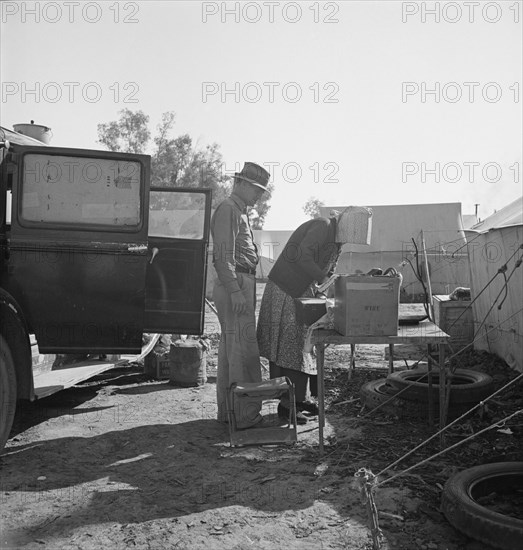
[[424, 333]]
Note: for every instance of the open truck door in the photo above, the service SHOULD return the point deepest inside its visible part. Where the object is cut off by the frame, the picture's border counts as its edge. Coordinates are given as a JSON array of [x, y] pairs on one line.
[[76, 247], [179, 223]]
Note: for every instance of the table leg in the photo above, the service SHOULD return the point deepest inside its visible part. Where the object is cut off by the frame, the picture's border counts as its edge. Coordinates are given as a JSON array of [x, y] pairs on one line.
[[443, 401], [391, 358], [352, 360], [429, 382], [320, 363]]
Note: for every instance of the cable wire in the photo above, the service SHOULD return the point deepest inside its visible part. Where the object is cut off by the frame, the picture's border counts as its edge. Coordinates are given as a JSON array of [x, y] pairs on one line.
[[498, 424]]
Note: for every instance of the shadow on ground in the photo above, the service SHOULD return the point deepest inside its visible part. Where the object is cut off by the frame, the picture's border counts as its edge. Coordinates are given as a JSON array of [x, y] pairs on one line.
[[157, 471]]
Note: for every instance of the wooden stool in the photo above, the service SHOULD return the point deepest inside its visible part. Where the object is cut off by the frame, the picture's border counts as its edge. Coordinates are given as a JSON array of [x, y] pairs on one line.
[[265, 435]]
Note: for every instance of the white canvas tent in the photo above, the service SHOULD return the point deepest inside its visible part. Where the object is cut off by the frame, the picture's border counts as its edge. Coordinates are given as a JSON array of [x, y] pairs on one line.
[[498, 308], [511, 214]]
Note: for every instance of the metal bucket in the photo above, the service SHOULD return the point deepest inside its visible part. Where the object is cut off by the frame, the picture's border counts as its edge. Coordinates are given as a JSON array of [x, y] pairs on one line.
[[187, 364]]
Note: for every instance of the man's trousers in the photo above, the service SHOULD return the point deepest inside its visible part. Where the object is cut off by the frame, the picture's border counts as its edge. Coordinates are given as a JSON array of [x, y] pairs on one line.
[[238, 354]]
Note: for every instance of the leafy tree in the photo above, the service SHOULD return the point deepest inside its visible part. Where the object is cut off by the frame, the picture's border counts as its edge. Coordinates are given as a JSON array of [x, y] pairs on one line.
[[312, 207], [129, 134], [176, 162]]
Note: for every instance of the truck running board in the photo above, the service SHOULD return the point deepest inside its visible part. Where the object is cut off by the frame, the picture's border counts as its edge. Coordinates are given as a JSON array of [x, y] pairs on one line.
[[51, 382], [47, 383]]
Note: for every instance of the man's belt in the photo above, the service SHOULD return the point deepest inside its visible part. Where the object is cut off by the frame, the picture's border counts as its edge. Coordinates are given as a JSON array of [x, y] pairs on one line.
[[248, 270]]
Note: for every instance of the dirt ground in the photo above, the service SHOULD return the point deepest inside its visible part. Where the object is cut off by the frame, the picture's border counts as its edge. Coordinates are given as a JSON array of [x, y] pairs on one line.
[[123, 461]]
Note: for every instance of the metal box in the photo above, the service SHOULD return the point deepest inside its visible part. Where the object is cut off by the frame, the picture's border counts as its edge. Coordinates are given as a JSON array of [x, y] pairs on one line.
[[309, 310], [453, 317], [366, 305]]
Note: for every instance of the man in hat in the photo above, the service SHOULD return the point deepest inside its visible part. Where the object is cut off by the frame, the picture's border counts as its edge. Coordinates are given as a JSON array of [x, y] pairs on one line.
[[235, 257]]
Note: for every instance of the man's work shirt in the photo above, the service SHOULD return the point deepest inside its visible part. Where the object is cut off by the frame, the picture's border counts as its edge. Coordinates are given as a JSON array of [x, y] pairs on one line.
[[233, 242]]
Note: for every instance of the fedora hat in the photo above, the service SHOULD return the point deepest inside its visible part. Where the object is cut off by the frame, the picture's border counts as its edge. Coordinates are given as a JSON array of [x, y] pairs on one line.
[[255, 174]]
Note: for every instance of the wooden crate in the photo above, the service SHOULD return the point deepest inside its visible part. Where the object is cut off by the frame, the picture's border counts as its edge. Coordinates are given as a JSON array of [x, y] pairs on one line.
[[157, 365], [453, 317]]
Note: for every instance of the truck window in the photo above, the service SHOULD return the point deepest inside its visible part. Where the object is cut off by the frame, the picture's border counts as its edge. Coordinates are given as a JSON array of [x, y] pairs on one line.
[[80, 191], [179, 215]]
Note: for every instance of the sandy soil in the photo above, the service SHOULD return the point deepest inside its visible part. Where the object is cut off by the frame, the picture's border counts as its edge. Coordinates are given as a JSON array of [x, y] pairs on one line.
[[122, 461]]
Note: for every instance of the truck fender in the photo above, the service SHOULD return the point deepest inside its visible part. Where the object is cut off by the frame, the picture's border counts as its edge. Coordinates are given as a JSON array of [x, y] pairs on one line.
[[13, 328]]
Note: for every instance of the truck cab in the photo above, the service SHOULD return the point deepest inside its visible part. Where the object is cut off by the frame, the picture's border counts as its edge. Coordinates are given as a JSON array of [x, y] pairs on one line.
[[91, 257]]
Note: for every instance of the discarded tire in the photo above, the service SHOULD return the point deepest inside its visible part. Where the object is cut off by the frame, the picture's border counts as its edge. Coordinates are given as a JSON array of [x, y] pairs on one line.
[[467, 386], [459, 503], [377, 392]]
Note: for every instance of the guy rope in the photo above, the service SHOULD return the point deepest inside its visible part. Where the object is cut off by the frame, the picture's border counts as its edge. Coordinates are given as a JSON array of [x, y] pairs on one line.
[[368, 482]]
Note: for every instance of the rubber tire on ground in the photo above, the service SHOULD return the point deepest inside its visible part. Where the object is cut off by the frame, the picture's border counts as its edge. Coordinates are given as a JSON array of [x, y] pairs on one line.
[[377, 392], [7, 392], [465, 514], [476, 386]]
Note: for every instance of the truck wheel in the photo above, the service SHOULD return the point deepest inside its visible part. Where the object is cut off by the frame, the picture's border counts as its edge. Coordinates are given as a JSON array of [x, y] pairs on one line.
[[468, 386], [459, 503], [7, 391]]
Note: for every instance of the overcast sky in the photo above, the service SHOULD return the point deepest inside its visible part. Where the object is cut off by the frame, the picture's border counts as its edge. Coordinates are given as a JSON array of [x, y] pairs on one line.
[[350, 102]]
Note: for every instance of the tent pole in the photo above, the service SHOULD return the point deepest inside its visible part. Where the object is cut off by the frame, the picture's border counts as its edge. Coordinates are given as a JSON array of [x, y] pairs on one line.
[[427, 276]]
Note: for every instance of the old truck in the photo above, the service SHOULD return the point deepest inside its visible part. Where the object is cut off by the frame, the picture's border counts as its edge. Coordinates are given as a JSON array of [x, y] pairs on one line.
[[91, 258]]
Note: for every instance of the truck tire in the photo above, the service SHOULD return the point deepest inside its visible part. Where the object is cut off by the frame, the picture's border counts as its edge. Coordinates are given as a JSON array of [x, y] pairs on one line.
[[468, 386], [460, 506], [7, 392]]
